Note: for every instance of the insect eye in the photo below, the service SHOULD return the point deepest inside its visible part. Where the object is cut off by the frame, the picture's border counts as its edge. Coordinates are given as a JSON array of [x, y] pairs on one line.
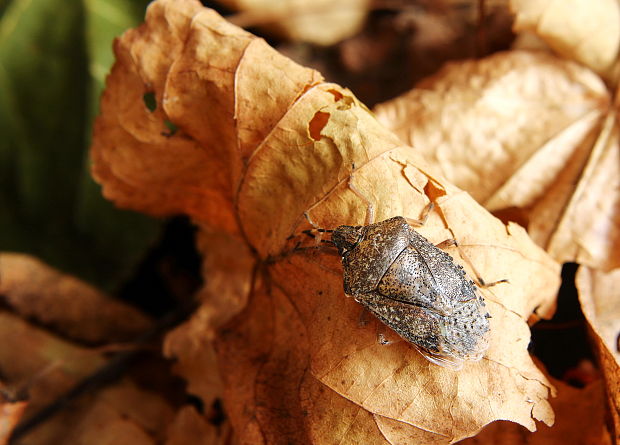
[[345, 238]]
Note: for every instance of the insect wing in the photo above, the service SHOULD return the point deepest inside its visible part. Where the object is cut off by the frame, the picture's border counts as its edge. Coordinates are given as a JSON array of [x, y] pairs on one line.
[[417, 325], [446, 361], [446, 278], [409, 280]]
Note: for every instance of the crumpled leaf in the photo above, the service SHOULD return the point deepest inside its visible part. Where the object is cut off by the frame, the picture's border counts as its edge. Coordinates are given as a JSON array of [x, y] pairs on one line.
[[190, 427], [532, 138], [581, 30], [11, 411], [228, 266], [599, 295], [69, 305], [260, 141], [118, 413], [580, 419], [323, 22]]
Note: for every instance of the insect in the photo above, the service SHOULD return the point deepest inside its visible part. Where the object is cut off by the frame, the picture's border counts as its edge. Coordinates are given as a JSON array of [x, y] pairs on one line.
[[415, 288]]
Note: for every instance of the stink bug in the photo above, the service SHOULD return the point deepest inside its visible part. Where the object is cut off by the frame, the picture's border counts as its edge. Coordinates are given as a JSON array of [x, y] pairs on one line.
[[413, 287]]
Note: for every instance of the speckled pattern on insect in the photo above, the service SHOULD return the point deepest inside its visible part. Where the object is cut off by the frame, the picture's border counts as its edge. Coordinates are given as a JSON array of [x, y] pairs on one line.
[[415, 288]]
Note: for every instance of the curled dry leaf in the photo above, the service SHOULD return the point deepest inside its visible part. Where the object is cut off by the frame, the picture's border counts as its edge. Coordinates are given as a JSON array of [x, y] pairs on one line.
[[581, 30], [65, 303], [599, 295], [323, 22], [531, 137], [50, 367], [191, 427], [580, 419], [46, 367], [260, 141], [11, 412], [122, 413]]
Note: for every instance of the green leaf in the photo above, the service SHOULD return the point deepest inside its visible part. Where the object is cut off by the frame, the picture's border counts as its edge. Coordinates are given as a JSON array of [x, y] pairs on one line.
[[54, 55]]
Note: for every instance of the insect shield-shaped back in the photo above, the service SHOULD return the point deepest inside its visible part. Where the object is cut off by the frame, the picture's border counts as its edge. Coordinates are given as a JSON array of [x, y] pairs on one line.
[[414, 288], [367, 252]]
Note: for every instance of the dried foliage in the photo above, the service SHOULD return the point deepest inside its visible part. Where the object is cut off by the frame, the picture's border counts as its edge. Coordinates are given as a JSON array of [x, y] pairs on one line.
[[580, 419], [599, 294], [530, 136], [11, 412], [52, 367], [534, 138], [579, 30], [72, 307], [201, 118], [316, 21], [260, 141]]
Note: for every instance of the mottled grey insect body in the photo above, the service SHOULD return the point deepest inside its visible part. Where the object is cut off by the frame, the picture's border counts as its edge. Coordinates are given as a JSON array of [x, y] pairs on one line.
[[414, 288]]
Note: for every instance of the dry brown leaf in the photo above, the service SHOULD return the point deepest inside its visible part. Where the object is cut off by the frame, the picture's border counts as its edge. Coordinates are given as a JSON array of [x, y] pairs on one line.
[[53, 364], [189, 427], [260, 141], [599, 295], [121, 413], [11, 412], [229, 267], [323, 22], [529, 134], [580, 419], [65, 303], [581, 30]]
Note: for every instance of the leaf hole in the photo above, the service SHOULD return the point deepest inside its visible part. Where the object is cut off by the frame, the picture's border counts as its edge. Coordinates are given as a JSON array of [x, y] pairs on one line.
[[217, 416], [433, 190], [337, 94], [172, 128], [150, 102], [317, 124]]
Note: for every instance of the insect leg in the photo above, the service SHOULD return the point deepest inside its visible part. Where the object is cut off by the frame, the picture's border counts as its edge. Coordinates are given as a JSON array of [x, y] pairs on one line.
[[383, 334], [484, 284], [423, 216], [446, 243], [370, 208], [382, 331], [364, 317], [479, 280], [307, 216], [382, 340]]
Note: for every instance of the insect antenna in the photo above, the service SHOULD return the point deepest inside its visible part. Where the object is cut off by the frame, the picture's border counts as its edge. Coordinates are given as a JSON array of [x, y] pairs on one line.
[[311, 233], [315, 233], [325, 245]]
